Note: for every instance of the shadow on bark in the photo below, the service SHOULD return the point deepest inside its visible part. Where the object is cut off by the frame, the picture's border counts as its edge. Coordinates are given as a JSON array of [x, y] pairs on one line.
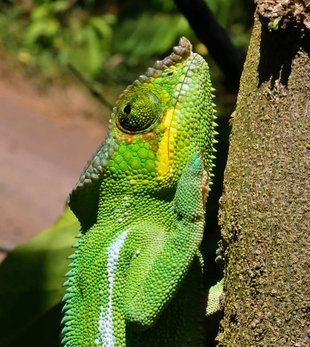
[[277, 50]]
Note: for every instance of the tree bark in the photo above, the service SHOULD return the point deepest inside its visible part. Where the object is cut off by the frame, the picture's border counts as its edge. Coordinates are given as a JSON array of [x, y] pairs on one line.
[[265, 207]]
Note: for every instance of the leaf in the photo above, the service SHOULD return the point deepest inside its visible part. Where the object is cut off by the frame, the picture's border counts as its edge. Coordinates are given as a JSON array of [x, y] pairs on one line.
[[103, 25], [41, 28], [31, 285], [60, 6], [94, 51], [40, 12]]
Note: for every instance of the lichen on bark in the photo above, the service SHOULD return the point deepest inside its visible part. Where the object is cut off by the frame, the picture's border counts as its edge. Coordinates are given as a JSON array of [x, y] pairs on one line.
[[265, 207]]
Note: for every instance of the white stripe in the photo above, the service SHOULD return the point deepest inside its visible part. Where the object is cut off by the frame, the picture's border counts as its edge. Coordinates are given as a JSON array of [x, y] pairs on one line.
[[105, 325]]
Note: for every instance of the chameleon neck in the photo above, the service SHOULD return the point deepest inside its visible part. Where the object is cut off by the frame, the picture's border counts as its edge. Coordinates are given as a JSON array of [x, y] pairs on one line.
[[124, 204]]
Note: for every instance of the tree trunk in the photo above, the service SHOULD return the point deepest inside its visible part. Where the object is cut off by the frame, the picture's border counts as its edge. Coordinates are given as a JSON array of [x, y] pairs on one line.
[[265, 206]]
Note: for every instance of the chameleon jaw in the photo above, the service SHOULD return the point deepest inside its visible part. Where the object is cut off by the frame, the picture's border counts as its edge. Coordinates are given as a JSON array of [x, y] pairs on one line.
[[167, 144]]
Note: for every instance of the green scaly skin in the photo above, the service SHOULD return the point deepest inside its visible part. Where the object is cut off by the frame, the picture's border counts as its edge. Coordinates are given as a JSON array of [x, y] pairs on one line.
[[136, 276]]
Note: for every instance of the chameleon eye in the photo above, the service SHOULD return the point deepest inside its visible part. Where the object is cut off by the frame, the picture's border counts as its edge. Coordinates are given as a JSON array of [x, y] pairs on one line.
[[138, 111]]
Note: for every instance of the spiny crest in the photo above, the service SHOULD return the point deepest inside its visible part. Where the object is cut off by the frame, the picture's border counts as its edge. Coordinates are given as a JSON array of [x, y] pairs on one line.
[[180, 53], [68, 309]]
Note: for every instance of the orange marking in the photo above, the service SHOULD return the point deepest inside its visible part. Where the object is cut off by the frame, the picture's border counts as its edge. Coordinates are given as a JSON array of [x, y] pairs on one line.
[[155, 149], [128, 138], [149, 135]]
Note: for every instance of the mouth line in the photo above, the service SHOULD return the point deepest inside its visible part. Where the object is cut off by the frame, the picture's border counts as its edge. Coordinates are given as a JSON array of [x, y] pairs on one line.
[[180, 86], [182, 83]]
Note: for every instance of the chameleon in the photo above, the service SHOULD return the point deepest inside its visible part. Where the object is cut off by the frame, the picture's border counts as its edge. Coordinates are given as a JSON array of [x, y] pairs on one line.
[[136, 275]]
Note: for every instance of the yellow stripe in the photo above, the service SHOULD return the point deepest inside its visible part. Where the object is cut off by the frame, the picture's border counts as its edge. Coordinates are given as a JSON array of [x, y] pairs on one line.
[[166, 145]]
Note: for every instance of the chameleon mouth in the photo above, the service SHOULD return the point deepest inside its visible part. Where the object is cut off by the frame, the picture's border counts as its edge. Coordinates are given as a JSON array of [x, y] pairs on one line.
[[181, 88], [185, 80], [166, 149]]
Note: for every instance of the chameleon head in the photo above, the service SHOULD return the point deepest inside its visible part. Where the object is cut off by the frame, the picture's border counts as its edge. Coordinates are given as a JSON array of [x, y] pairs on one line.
[[161, 120], [157, 124]]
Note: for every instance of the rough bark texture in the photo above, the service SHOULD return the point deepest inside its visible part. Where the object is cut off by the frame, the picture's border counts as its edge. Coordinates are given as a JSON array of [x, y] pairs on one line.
[[265, 207], [285, 12]]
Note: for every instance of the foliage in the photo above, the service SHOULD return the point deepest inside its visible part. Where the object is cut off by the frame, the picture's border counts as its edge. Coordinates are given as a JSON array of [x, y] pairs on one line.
[[54, 33], [57, 32], [110, 42], [31, 279]]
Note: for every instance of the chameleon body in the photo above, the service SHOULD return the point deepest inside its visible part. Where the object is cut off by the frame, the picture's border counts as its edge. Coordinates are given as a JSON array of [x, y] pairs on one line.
[[136, 276]]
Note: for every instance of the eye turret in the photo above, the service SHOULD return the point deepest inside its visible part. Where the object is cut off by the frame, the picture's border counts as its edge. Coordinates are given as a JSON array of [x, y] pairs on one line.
[[138, 111]]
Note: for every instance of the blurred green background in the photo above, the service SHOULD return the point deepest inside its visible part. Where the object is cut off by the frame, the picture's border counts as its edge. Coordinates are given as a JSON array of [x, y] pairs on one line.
[[109, 42]]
